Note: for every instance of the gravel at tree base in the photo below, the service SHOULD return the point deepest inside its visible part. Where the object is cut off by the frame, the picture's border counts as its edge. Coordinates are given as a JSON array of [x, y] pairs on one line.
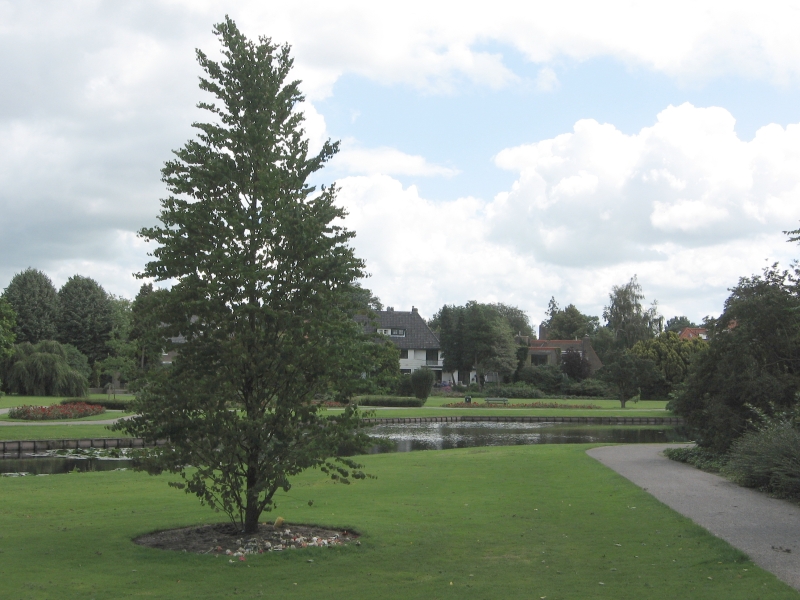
[[225, 539]]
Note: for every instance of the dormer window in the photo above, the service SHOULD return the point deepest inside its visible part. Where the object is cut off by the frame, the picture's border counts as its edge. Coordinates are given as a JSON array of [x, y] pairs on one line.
[[398, 333]]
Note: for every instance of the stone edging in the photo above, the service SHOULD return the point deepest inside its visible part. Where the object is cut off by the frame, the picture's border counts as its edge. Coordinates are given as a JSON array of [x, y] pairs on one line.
[[584, 420], [16, 446]]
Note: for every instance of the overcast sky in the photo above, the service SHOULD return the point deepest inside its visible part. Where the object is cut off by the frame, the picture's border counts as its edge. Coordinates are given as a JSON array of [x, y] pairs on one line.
[[499, 152]]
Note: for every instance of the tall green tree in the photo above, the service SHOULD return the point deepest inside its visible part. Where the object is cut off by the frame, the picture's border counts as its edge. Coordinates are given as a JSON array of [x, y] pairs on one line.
[[8, 322], [517, 319], [569, 323], [752, 361], [627, 318], [34, 299], [263, 274], [678, 323], [86, 317], [672, 356]]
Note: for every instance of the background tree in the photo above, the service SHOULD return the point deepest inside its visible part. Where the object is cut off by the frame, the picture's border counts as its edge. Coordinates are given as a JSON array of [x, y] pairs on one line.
[[364, 300], [569, 323], [422, 382], [671, 355], [86, 317], [35, 302], [122, 351], [575, 365], [630, 374], [628, 319], [147, 333], [753, 360], [262, 278], [678, 324], [8, 321], [517, 320], [45, 369]]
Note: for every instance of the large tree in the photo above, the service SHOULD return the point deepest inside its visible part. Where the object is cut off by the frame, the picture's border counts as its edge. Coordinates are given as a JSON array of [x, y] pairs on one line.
[[8, 322], [672, 356], [568, 323], [263, 276], [34, 299], [752, 361], [627, 318], [86, 317]]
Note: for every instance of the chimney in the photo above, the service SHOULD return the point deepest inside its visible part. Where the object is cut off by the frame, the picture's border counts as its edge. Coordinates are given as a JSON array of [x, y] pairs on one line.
[[414, 309], [390, 309]]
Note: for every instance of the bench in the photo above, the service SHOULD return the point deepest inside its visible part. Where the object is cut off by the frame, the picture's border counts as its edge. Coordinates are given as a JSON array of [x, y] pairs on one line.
[[496, 400]]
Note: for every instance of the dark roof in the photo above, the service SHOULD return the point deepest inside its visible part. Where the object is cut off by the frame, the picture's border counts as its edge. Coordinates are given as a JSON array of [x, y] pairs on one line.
[[418, 335]]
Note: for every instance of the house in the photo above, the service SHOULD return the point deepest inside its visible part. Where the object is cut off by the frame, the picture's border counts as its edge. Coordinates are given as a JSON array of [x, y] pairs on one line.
[[419, 346], [548, 352], [689, 333]]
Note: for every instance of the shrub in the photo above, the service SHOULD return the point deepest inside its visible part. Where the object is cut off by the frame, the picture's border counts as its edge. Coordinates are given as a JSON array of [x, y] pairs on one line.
[[593, 388], [511, 391], [768, 459], [73, 410], [389, 401], [422, 382], [699, 457], [404, 387], [547, 378]]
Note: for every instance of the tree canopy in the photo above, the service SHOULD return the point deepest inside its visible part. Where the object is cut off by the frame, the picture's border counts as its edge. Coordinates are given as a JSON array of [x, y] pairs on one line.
[[568, 323], [35, 302], [671, 355], [86, 317], [8, 322], [627, 318], [263, 279], [678, 324]]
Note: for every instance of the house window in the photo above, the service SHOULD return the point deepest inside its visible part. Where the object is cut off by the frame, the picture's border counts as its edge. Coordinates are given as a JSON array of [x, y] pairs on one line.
[[405, 371], [384, 331], [403, 353], [398, 333]]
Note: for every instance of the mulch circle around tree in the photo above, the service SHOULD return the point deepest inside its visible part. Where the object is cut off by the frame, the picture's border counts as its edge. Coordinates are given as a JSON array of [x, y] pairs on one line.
[[225, 539]]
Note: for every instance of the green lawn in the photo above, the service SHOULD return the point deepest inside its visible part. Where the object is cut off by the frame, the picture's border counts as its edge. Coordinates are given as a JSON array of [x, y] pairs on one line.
[[514, 522], [57, 432]]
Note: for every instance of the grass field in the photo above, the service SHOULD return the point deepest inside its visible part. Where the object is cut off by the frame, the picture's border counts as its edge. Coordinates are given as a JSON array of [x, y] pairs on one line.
[[515, 522]]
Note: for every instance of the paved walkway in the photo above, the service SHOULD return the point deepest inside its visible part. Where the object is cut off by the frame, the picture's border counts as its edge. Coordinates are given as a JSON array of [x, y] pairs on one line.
[[762, 527]]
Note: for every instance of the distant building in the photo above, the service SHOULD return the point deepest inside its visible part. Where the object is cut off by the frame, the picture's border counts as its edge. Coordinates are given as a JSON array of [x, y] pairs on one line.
[[689, 333], [548, 352]]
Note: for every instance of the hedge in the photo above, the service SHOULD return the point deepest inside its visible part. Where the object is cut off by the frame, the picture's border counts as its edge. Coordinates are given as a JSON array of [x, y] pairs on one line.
[[391, 401], [107, 404]]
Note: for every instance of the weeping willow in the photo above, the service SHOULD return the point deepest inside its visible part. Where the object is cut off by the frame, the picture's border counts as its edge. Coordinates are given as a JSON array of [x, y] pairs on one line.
[[43, 369]]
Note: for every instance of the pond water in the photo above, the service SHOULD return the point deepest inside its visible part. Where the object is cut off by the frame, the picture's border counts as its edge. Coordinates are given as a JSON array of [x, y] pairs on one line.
[[405, 438], [444, 436]]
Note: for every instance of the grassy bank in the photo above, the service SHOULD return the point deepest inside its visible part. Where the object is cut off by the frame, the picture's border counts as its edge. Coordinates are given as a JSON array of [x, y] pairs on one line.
[[516, 522]]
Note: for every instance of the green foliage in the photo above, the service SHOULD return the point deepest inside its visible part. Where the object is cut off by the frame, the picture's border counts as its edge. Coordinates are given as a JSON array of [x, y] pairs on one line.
[[753, 359], [767, 458], [699, 457], [263, 275], [382, 368], [575, 365], [34, 300], [518, 321], [593, 388], [509, 391], [8, 322], [397, 401], [678, 324], [628, 319], [86, 317], [568, 323], [44, 369], [118, 404], [363, 300], [476, 336], [422, 382], [671, 355], [547, 378], [630, 374], [404, 387]]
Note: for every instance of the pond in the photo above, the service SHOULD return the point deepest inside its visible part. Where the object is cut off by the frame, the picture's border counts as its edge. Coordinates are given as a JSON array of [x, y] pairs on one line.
[[445, 436], [50, 465]]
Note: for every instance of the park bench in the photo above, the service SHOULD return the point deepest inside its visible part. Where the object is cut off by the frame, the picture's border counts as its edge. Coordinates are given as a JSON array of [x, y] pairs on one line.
[[496, 400]]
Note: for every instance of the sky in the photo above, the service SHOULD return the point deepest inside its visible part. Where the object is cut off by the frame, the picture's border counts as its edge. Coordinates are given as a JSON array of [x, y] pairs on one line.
[[499, 152]]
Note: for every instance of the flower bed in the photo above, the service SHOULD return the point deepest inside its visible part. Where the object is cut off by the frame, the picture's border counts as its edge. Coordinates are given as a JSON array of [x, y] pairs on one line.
[[530, 405], [74, 410]]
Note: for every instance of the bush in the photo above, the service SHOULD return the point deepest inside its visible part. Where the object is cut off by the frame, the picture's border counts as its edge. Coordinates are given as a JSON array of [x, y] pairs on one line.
[[593, 388], [118, 404], [422, 382], [511, 391], [547, 378], [73, 410], [389, 401], [768, 459], [404, 387], [702, 458]]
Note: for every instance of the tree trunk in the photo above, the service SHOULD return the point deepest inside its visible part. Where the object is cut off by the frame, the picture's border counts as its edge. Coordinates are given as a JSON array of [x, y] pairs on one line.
[[622, 401]]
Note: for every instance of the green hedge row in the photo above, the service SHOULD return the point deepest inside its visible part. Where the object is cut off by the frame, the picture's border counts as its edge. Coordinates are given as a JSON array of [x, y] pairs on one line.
[[389, 401], [107, 404]]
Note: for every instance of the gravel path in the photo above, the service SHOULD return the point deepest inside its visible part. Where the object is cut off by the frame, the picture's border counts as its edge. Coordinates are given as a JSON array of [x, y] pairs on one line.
[[766, 529]]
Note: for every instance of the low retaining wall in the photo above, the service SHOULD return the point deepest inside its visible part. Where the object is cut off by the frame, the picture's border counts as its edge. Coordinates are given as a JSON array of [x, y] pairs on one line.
[[17, 446], [582, 420]]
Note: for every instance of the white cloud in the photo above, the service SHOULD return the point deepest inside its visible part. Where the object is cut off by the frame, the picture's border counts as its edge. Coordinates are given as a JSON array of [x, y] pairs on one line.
[[387, 161], [547, 80]]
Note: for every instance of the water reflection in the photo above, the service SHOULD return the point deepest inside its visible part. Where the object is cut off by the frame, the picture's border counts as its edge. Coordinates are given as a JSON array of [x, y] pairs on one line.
[[444, 436], [54, 466]]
